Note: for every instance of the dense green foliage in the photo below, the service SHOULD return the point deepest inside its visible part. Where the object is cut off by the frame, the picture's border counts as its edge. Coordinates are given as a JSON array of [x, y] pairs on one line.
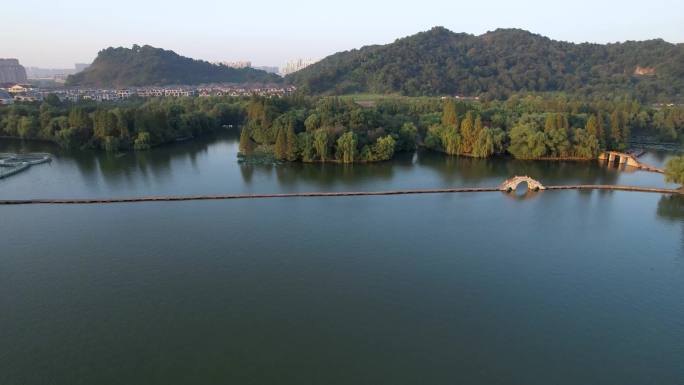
[[674, 170], [527, 127], [313, 129], [326, 129], [135, 124], [149, 66], [498, 64]]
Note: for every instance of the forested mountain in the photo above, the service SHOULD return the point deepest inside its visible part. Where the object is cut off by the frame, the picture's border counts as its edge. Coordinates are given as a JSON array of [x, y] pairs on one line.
[[149, 66], [497, 64]]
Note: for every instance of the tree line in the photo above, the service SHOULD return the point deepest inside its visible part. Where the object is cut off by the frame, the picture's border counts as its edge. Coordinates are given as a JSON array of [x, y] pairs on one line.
[[524, 126], [344, 129], [135, 124]]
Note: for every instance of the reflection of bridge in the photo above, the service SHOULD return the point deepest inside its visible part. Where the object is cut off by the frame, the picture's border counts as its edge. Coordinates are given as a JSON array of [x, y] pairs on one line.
[[630, 160]]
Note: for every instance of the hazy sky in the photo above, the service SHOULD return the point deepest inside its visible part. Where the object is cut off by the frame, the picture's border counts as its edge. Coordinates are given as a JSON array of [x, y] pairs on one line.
[[58, 33]]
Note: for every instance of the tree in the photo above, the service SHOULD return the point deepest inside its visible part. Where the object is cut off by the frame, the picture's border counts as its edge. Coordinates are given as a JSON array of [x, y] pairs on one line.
[[384, 148], [67, 137], [490, 141], [449, 114], [550, 123], [55, 125], [585, 144], [28, 127], [312, 123], [408, 134], [291, 139], [81, 122], [674, 170], [305, 145], [616, 138], [451, 140], [556, 131], [52, 100], [592, 127], [321, 143], [433, 138], [468, 134], [346, 147], [280, 149], [527, 142], [601, 124], [626, 134], [105, 124], [142, 141], [246, 144]]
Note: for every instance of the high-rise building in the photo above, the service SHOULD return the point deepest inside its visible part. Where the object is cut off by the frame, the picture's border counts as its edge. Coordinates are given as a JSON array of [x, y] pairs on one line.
[[11, 71], [296, 65]]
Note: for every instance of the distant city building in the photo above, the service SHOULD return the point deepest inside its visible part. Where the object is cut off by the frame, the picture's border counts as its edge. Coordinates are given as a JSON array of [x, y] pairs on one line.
[[296, 65], [58, 75], [235, 64], [272, 70], [12, 72]]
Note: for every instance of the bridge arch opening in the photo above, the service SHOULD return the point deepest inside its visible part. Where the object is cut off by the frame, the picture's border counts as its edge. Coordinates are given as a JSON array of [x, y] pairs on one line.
[[522, 188]]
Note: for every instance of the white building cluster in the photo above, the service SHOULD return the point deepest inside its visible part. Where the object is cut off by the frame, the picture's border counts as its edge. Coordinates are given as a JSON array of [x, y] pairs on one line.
[[296, 65], [10, 93], [290, 67], [14, 92]]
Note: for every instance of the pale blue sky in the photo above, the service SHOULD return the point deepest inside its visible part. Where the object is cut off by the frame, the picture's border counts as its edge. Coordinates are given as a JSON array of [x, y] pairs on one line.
[[58, 33]]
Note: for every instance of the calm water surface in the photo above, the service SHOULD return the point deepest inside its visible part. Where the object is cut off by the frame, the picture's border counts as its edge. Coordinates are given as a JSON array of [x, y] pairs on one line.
[[547, 288]]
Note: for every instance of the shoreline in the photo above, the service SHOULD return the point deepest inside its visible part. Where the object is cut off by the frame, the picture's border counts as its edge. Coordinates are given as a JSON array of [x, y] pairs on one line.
[[246, 158]]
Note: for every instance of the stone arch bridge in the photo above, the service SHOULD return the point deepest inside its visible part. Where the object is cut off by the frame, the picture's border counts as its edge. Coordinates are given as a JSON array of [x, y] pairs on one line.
[[513, 183]]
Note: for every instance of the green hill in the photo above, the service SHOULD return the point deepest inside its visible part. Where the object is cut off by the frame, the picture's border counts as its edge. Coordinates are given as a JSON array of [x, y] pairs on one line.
[[149, 66], [496, 64]]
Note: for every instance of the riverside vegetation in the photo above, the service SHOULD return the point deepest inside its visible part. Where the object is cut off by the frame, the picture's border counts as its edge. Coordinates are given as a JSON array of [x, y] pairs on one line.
[[342, 129], [526, 127]]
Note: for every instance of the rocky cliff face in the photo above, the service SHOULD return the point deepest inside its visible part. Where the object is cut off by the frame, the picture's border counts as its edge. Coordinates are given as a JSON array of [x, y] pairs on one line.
[[11, 71]]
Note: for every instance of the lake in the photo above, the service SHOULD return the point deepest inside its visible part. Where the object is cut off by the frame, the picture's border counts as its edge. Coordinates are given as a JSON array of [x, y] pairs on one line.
[[556, 287]]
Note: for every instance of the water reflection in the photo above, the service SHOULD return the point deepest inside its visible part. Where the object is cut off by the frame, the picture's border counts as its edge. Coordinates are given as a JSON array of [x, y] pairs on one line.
[[471, 171], [671, 207], [209, 165], [521, 195]]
